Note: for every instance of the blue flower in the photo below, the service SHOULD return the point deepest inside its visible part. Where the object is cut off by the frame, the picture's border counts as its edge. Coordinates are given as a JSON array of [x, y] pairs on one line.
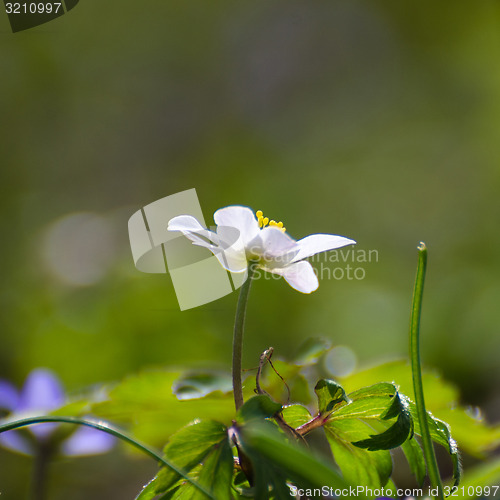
[[42, 393]]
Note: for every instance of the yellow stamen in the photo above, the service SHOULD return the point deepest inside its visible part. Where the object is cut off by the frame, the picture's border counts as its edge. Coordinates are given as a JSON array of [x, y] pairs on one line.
[[264, 221]]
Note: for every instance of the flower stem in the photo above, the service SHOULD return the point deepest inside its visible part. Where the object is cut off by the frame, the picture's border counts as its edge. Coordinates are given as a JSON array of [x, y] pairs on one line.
[[239, 324], [430, 456], [43, 456], [105, 427]]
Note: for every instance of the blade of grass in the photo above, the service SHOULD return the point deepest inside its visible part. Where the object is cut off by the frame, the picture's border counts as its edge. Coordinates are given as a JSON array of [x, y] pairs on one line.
[[429, 454], [104, 427]]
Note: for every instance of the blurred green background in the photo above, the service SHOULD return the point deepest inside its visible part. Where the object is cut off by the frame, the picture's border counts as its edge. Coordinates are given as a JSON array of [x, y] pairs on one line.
[[379, 121]]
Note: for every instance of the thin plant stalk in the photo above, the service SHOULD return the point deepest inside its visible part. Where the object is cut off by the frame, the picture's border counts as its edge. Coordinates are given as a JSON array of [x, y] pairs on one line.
[[43, 456], [239, 325], [104, 427], [429, 454]]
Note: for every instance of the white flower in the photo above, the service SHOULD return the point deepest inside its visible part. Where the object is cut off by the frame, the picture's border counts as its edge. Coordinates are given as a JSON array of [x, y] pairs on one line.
[[242, 236]]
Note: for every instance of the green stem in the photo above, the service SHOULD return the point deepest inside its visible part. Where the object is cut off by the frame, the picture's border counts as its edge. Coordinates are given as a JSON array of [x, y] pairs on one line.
[[104, 427], [239, 324], [43, 457], [430, 456]]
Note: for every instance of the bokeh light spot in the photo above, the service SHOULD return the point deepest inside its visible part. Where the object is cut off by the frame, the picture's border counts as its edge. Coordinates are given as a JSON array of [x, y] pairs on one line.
[[78, 248], [341, 361]]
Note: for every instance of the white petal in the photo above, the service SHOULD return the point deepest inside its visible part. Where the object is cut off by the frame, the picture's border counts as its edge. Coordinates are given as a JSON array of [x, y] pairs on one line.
[[317, 243], [233, 255], [231, 260], [192, 229], [241, 218], [300, 276], [184, 223], [274, 246]]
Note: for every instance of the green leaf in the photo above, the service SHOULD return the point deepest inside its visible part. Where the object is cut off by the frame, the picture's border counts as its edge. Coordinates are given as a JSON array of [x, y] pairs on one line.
[[188, 448], [278, 460], [441, 398], [258, 407], [438, 392], [362, 455], [440, 433], [217, 471], [330, 394], [369, 402], [296, 415], [485, 475], [359, 466], [147, 404], [472, 434], [381, 389], [311, 350], [148, 492], [198, 385], [215, 475], [73, 409], [397, 433], [415, 457]]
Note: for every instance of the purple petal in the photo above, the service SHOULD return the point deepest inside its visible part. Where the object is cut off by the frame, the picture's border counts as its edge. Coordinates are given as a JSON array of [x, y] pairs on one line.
[[43, 431], [87, 441], [42, 392], [14, 441], [9, 397]]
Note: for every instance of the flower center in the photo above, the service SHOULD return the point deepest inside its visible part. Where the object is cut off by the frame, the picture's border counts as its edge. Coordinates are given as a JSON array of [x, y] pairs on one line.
[[264, 221]]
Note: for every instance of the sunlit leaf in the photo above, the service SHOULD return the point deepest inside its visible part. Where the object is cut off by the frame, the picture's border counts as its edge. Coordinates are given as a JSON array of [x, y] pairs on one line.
[[198, 385], [217, 471], [148, 492], [188, 447], [438, 392], [481, 481], [330, 394], [73, 409], [397, 433], [296, 415], [147, 404], [277, 457], [415, 457], [473, 435], [361, 454], [358, 466], [258, 407], [440, 433], [215, 475]]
